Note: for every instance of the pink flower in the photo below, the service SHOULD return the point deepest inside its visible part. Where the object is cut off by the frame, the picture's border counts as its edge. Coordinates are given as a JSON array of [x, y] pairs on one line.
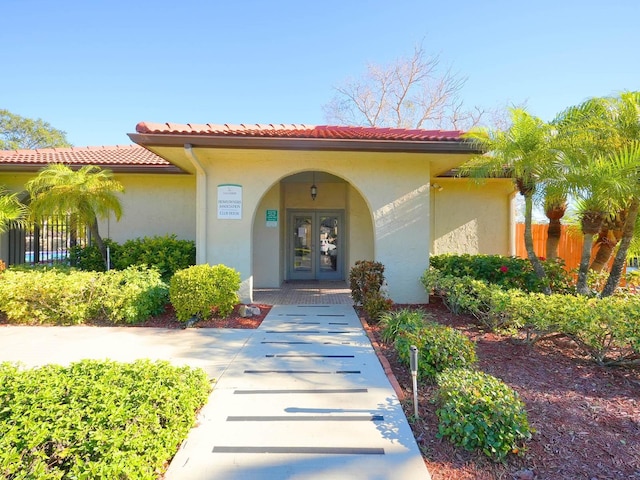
[[504, 269]]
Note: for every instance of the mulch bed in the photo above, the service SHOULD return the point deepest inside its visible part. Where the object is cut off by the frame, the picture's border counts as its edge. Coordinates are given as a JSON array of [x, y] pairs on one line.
[[586, 418], [234, 320]]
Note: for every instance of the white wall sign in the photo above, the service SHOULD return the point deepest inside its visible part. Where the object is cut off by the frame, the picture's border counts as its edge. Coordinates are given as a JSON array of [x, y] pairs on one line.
[[230, 202]]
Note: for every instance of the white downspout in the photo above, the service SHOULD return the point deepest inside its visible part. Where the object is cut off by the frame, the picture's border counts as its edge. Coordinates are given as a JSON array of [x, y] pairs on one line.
[[201, 205], [511, 199]]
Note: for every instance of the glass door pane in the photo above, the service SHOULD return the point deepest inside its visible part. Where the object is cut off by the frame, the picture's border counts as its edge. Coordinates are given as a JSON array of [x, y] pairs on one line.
[[302, 243], [329, 243]]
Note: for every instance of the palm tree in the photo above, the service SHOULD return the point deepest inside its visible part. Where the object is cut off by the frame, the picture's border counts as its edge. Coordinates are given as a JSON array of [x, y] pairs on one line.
[[88, 194], [11, 209], [522, 152], [588, 136], [630, 156]]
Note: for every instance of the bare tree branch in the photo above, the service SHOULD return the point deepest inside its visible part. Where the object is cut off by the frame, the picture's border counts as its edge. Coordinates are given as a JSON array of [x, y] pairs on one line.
[[408, 93]]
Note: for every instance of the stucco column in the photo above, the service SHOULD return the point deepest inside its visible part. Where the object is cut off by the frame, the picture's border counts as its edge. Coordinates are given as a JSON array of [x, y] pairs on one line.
[[402, 237]]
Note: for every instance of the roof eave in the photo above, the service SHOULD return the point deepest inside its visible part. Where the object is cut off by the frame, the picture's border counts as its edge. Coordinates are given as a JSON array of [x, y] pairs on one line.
[[35, 167], [285, 143]]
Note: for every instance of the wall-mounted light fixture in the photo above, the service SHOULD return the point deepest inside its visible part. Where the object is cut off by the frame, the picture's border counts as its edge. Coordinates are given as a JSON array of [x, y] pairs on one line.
[[437, 187], [314, 189]]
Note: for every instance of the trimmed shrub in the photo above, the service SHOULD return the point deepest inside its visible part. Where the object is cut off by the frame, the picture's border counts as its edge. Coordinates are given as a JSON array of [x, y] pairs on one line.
[[439, 348], [508, 272], [196, 290], [488, 303], [366, 279], [89, 258], [132, 295], [96, 419], [479, 411], [402, 321], [165, 253], [39, 296], [607, 329], [65, 296]]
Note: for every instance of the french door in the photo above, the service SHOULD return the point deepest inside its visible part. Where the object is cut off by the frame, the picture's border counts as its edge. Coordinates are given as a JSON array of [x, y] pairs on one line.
[[315, 245]]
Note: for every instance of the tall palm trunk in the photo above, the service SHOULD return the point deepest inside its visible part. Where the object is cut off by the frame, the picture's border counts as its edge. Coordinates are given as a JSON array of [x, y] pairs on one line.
[[608, 237], [528, 239], [95, 234], [621, 256], [554, 212], [591, 223]]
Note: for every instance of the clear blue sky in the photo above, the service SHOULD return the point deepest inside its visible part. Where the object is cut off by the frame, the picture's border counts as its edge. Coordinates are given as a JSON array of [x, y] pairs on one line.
[[95, 68]]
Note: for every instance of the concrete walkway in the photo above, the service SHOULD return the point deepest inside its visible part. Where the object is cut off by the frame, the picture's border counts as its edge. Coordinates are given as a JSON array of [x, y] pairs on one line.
[[305, 398], [302, 397]]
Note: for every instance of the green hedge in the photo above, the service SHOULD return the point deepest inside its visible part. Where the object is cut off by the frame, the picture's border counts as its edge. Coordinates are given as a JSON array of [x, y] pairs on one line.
[[606, 330], [439, 348], [96, 419], [478, 411], [48, 296], [508, 272], [131, 295], [196, 291], [165, 253], [64, 296]]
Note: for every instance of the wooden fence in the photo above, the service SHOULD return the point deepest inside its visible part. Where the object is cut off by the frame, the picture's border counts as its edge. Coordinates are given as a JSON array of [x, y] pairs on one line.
[[569, 248]]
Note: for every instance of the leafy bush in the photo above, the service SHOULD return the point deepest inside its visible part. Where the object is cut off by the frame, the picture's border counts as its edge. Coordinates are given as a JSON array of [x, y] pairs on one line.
[[131, 295], [439, 348], [607, 329], [478, 411], [534, 316], [508, 272], [96, 419], [406, 320], [89, 258], [366, 279], [38, 296], [66, 296], [486, 302], [196, 290], [165, 253]]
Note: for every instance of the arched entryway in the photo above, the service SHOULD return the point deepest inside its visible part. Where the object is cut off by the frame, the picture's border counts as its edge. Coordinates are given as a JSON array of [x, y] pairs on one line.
[[297, 237]]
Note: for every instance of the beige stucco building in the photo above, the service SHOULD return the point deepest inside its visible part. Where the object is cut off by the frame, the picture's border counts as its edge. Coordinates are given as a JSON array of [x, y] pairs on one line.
[[244, 194]]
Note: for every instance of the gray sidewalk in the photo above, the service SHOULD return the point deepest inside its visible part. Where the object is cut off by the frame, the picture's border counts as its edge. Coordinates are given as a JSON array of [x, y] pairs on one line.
[[305, 398], [302, 397]]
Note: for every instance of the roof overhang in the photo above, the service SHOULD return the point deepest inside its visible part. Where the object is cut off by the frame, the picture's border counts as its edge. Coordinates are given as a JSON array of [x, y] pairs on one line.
[[280, 143], [36, 167]]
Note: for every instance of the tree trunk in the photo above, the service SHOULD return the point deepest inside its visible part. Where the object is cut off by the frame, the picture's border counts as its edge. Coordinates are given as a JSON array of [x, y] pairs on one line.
[[621, 256], [581, 286], [591, 222], [93, 228], [553, 238], [528, 242], [608, 237], [606, 244], [555, 211]]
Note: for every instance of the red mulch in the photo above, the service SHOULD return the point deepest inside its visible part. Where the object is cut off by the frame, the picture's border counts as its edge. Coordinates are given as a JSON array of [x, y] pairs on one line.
[[586, 418], [234, 320]]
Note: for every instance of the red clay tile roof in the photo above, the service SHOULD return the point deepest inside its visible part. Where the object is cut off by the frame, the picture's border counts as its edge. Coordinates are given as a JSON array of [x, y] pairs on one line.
[[298, 131], [117, 158]]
